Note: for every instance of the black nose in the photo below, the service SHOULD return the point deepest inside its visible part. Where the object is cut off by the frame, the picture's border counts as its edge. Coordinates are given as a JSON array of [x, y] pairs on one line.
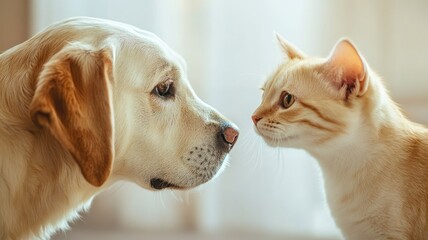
[[229, 135]]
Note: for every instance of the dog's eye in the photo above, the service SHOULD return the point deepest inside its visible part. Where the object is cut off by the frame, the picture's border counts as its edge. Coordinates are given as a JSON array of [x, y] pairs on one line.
[[165, 89]]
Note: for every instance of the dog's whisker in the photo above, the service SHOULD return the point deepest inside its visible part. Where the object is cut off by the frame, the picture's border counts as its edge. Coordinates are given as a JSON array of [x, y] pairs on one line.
[[187, 197], [156, 133], [227, 162], [247, 142], [161, 199], [117, 187], [176, 195]]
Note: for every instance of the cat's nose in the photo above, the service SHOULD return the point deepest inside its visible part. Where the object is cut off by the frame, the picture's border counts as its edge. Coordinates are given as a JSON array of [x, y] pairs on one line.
[[255, 119]]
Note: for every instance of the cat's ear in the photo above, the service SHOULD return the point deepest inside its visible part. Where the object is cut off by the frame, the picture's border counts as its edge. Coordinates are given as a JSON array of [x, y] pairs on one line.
[[347, 68], [289, 49]]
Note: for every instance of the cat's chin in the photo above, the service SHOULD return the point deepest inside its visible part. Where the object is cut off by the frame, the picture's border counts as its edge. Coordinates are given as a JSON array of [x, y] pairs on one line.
[[280, 142]]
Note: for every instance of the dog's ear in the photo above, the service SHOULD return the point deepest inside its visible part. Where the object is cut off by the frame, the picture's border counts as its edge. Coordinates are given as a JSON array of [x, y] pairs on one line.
[[73, 102]]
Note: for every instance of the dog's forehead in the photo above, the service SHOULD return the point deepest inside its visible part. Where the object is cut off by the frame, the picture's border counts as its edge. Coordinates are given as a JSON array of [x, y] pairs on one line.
[[147, 57], [137, 54]]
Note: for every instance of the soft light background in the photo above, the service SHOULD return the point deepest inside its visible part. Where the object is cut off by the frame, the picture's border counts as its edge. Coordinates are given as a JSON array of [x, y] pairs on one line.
[[229, 46]]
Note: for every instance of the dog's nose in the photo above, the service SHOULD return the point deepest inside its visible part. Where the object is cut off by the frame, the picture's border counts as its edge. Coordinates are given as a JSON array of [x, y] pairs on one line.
[[230, 134], [256, 119]]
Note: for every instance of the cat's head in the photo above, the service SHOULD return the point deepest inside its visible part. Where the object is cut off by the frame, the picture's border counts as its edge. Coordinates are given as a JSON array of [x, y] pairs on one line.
[[309, 101]]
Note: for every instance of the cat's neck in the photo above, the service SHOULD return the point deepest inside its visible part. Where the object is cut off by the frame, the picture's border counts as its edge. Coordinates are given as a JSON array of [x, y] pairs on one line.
[[376, 123]]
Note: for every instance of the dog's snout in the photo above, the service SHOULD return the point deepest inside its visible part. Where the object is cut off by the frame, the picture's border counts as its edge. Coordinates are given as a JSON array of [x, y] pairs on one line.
[[230, 135]]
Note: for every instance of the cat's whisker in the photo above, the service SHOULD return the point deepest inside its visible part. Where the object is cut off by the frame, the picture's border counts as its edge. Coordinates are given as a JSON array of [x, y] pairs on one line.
[[253, 142], [281, 164], [279, 171], [259, 155], [366, 148], [246, 139], [256, 158]]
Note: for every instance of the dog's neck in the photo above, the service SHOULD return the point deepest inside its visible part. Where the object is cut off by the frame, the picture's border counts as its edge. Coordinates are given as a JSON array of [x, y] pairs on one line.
[[32, 180]]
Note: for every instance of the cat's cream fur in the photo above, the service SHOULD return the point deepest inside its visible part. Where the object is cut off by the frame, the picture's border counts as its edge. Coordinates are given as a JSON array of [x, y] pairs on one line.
[[374, 161]]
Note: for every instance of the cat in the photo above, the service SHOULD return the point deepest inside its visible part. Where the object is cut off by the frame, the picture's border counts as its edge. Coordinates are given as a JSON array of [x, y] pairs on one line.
[[374, 161]]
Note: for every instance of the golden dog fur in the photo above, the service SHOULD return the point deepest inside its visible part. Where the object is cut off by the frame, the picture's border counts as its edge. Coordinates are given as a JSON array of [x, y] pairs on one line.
[[79, 111]]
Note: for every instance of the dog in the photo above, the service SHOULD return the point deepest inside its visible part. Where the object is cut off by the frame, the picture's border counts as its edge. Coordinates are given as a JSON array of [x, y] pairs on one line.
[[88, 102]]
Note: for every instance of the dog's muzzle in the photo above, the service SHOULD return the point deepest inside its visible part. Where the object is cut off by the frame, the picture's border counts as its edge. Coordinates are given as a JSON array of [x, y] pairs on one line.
[[204, 160]]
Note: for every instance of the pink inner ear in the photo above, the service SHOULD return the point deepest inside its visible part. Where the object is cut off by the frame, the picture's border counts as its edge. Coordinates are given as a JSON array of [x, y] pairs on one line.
[[348, 65], [345, 56]]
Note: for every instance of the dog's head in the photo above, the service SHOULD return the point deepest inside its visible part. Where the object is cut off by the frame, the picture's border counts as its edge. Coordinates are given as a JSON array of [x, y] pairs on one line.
[[119, 101]]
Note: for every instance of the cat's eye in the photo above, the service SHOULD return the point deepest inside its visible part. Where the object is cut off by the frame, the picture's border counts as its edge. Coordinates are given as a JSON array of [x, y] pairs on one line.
[[286, 100], [165, 89]]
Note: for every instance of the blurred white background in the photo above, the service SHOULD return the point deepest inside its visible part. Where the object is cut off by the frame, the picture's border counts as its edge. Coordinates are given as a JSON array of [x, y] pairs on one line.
[[229, 47]]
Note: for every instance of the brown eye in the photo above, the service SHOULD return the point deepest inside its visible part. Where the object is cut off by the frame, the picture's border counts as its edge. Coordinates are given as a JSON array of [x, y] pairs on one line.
[[286, 100], [165, 89]]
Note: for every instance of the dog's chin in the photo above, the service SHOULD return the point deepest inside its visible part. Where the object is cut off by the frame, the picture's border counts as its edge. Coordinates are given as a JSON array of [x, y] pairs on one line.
[[160, 184], [195, 179]]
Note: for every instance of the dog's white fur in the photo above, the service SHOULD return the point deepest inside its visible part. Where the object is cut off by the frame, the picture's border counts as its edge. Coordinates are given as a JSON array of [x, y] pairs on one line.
[[146, 136]]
